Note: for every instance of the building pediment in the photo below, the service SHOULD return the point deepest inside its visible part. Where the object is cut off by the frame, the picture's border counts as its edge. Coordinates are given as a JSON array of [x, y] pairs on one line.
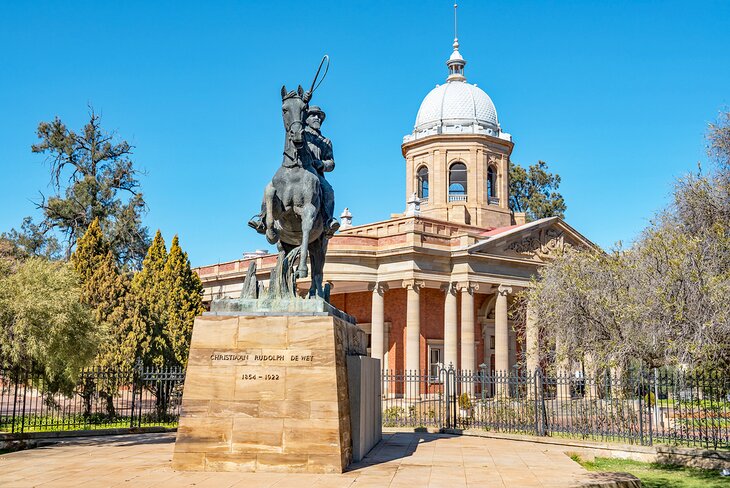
[[535, 241]]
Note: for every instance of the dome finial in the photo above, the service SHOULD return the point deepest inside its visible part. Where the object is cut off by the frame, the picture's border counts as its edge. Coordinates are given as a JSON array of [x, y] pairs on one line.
[[456, 31], [456, 63]]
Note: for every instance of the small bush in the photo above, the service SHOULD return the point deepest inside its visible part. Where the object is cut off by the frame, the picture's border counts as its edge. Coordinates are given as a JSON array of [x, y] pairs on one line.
[[464, 401]]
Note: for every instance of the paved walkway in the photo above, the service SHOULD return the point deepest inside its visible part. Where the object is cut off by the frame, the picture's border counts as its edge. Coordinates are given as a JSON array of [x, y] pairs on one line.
[[400, 460]]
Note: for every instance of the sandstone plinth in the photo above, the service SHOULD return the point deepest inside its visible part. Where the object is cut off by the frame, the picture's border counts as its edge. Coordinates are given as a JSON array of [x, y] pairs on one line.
[[267, 393]]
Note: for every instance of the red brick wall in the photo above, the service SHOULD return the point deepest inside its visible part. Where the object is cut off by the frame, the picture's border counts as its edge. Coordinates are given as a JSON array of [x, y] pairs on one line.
[[395, 312], [359, 305]]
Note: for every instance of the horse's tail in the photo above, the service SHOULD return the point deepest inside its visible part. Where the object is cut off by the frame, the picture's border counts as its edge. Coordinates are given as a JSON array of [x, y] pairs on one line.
[[283, 278]]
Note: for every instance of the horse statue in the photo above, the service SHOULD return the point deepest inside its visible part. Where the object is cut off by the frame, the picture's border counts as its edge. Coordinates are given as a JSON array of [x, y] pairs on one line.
[[293, 205]]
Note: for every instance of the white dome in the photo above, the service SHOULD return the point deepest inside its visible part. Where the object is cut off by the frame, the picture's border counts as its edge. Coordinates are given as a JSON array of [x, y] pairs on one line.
[[456, 107], [457, 103]]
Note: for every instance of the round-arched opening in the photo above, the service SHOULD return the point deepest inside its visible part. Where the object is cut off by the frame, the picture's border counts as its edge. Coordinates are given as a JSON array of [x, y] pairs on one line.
[[422, 183], [457, 182], [492, 196]]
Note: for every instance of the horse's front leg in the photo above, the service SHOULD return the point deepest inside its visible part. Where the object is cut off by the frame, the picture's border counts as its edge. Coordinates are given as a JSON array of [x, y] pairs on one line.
[[269, 195], [309, 212]]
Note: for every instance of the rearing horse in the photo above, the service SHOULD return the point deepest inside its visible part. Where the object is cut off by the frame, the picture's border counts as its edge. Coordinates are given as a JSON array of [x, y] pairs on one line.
[[292, 199]]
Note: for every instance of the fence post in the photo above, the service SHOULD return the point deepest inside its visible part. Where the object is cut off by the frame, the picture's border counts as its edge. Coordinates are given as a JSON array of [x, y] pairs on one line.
[[641, 410], [447, 398], [135, 368], [25, 393], [543, 407], [656, 400], [15, 398], [537, 407]]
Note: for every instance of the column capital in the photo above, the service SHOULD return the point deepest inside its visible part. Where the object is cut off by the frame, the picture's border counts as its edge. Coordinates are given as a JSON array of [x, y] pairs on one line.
[[378, 286], [504, 290], [413, 284], [449, 287], [467, 286]]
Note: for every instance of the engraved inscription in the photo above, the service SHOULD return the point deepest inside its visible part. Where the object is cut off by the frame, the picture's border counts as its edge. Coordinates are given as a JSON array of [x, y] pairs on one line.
[[263, 357], [229, 357], [265, 365], [265, 377]]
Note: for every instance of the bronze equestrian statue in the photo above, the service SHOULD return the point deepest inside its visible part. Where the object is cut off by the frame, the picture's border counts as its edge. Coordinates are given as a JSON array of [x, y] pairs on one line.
[[298, 202]]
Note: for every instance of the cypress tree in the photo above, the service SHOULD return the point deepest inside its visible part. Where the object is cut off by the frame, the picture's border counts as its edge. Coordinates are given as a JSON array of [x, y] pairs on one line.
[[151, 289], [184, 301], [90, 251], [107, 292]]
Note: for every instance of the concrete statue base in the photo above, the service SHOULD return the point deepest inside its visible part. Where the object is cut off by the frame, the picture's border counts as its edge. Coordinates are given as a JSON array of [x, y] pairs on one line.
[[269, 392]]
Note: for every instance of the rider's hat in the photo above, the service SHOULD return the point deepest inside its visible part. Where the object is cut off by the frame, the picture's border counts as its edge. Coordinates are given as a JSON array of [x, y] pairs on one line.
[[314, 109]]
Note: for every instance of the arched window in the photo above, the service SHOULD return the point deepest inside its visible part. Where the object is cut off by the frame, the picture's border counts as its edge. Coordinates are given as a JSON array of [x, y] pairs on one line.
[[457, 182], [491, 184], [422, 178]]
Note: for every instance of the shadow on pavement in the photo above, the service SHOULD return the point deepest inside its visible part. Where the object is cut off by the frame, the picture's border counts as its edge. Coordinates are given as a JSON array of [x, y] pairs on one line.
[[395, 446]]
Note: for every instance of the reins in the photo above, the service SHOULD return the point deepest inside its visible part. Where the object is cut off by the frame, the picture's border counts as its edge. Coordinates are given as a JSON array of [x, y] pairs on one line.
[[326, 69]]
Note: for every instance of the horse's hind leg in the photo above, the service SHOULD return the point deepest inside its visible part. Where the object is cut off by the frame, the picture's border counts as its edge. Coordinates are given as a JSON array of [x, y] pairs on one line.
[[269, 196], [317, 251], [309, 212]]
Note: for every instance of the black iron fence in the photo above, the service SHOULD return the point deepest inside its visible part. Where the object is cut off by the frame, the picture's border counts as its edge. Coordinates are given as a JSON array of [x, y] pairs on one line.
[[638, 407], [102, 398]]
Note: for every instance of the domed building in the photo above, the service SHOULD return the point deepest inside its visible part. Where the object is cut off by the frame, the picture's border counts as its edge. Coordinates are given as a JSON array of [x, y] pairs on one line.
[[457, 157], [432, 286]]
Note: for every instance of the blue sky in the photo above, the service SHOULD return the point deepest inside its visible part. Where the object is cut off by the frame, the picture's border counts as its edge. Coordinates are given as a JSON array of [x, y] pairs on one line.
[[615, 96]]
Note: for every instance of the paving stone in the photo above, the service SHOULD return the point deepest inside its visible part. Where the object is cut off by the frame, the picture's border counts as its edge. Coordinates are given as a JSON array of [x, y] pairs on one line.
[[408, 460]]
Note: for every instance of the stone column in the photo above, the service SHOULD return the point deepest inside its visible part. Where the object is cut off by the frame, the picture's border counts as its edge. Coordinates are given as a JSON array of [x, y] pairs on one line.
[[386, 346], [468, 362], [591, 377], [413, 325], [387, 389], [377, 321], [501, 330], [532, 351], [563, 368], [450, 326], [501, 338], [616, 375]]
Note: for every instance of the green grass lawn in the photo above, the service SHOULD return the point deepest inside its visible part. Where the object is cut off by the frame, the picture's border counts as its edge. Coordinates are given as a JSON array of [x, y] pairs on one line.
[[56, 425], [653, 475]]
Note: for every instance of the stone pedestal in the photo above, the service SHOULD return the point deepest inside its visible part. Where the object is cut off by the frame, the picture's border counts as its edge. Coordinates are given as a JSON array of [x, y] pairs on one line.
[[268, 392]]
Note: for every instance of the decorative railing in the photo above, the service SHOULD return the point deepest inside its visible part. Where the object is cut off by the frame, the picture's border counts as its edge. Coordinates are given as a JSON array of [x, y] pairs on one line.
[[101, 399], [457, 198], [640, 407]]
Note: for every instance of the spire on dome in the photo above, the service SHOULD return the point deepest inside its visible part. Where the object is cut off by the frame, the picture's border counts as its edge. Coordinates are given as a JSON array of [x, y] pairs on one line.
[[456, 63]]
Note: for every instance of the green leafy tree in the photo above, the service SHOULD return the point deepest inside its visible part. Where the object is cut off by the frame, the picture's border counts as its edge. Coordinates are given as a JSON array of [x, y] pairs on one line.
[[663, 301], [184, 301], [171, 297], [44, 327], [151, 288], [107, 291], [535, 192], [93, 178], [170, 294], [31, 240]]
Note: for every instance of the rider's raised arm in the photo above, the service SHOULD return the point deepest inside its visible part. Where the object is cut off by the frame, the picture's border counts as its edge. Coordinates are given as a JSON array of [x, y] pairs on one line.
[[328, 158]]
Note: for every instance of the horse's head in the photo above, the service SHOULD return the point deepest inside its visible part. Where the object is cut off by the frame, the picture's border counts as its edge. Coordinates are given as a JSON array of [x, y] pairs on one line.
[[294, 112]]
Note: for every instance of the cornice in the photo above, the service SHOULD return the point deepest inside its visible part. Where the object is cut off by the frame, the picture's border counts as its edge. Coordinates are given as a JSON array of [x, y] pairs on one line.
[[448, 138]]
